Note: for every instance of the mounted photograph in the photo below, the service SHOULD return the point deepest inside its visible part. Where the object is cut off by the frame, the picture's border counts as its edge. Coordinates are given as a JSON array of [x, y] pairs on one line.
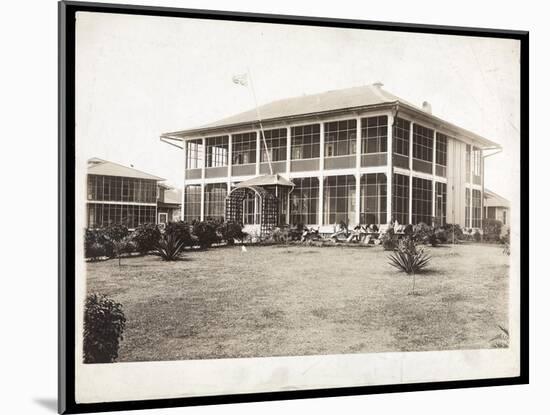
[[263, 206]]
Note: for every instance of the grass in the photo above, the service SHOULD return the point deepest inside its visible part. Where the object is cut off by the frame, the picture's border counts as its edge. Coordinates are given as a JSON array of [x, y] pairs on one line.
[[298, 300]]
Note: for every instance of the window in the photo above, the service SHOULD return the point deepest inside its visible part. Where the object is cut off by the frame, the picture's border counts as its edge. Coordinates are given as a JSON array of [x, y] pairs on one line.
[[339, 199], [504, 217], [214, 200], [305, 143], [276, 145], [244, 148], [441, 149], [401, 134], [476, 208], [194, 154], [373, 198], [374, 135], [192, 203], [467, 206], [440, 203], [422, 201], [131, 216], [400, 201], [340, 138], [423, 143], [304, 201], [476, 158], [217, 149]]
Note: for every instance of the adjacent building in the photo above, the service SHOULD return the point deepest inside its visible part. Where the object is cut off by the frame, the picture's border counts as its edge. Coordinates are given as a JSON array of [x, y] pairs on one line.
[[168, 204], [121, 195], [496, 207], [359, 155]]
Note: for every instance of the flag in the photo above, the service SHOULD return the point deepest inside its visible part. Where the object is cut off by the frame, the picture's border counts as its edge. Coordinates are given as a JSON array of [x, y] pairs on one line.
[[241, 79]]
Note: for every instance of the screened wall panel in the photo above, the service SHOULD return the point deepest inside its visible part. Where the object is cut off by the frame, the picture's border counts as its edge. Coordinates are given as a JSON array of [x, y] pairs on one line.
[[121, 189], [192, 210], [467, 206], [476, 208], [440, 203], [305, 142], [339, 199], [276, 145], [194, 154], [373, 199], [374, 135], [400, 200], [422, 201], [244, 148], [340, 138], [423, 143], [105, 214], [304, 201], [441, 154], [401, 134], [217, 151], [214, 200]]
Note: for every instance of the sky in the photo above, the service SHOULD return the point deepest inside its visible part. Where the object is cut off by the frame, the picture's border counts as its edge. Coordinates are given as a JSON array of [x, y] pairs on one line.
[[140, 76]]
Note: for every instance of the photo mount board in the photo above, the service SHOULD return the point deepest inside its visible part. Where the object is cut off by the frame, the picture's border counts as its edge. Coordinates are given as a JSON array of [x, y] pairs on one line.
[[66, 238]]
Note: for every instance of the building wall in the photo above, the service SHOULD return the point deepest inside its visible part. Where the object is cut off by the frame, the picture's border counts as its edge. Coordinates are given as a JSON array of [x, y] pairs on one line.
[[115, 200], [354, 165]]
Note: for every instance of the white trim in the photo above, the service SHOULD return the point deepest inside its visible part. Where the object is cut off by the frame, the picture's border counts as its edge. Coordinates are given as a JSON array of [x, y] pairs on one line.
[[111, 202], [410, 171], [389, 174]]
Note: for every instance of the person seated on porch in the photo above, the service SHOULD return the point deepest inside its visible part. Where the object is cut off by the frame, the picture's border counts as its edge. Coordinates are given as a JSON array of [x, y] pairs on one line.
[[356, 234], [342, 231], [370, 233], [309, 234]]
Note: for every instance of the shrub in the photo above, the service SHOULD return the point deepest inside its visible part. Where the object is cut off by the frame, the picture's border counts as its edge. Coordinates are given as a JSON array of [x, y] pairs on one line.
[[182, 230], [477, 236], [94, 244], [146, 237], [388, 240], [409, 258], [454, 232], [230, 231], [421, 233], [206, 234], [170, 246], [115, 232], [441, 235], [104, 324], [492, 229]]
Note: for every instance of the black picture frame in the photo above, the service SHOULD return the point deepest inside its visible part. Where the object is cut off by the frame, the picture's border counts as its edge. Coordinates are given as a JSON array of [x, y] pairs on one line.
[[66, 177]]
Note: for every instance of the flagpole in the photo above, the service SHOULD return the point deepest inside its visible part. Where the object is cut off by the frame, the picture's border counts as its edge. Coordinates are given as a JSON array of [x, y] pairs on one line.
[[260, 120]]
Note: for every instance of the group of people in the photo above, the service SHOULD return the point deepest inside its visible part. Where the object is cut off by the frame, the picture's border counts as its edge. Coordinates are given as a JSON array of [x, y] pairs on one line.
[[360, 233]]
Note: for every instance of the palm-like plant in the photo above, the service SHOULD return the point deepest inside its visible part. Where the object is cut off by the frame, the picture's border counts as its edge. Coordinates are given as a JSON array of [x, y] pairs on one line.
[[170, 246], [409, 258]]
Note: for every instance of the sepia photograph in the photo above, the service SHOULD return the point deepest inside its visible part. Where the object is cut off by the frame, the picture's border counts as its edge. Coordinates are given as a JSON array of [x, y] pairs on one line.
[[270, 206]]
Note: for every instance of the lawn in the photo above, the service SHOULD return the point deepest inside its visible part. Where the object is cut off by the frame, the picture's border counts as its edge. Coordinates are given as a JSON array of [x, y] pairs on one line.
[[299, 300]]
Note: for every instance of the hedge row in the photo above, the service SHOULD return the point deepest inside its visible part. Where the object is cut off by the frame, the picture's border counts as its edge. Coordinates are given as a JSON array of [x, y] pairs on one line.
[[112, 241]]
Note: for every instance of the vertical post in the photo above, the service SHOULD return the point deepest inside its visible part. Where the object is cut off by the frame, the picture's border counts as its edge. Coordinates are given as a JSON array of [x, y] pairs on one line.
[[389, 179], [202, 201], [321, 172], [182, 208], [358, 172], [434, 145], [411, 138], [229, 170], [203, 175], [288, 148], [257, 152]]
